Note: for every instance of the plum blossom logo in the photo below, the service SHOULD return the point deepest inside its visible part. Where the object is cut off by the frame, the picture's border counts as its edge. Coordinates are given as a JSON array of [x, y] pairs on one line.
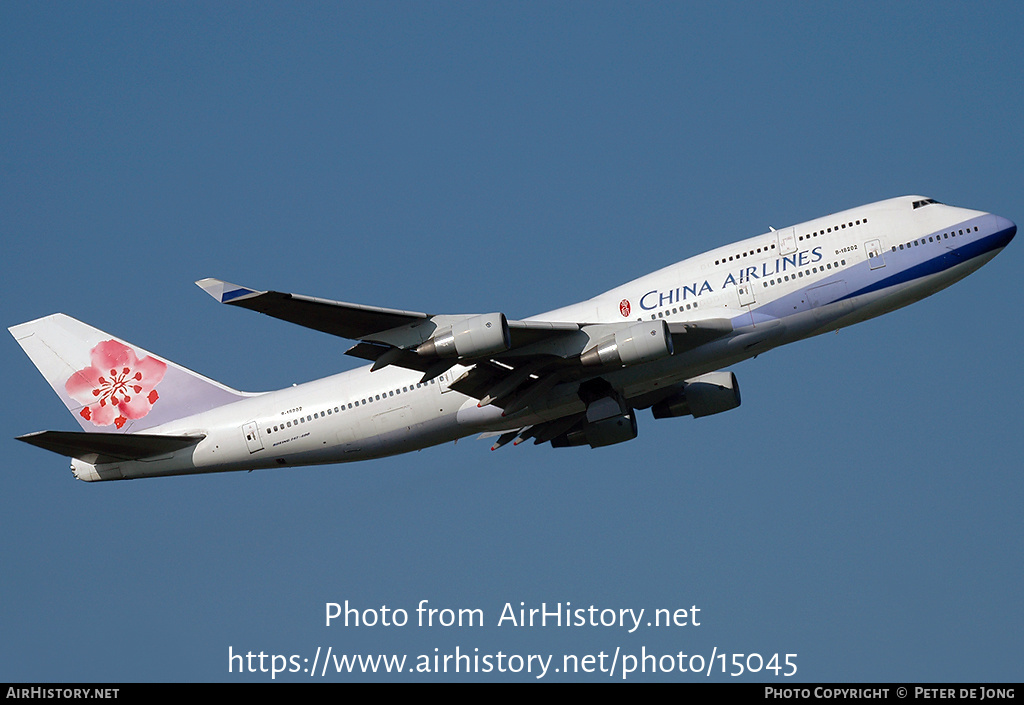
[[117, 386]]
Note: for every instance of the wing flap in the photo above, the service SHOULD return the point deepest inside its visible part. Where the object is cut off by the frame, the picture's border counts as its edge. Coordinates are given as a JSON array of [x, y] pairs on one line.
[[525, 333], [687, 335], [386, 355]]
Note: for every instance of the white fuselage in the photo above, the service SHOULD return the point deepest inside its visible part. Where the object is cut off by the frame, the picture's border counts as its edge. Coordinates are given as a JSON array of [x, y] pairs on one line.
[[775, 288]]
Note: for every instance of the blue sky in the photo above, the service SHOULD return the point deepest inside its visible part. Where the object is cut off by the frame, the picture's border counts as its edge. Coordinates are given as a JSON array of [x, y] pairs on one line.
[[861, 508]]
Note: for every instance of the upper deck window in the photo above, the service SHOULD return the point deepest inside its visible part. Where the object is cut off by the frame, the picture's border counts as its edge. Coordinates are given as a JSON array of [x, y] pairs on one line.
[[925, 202]]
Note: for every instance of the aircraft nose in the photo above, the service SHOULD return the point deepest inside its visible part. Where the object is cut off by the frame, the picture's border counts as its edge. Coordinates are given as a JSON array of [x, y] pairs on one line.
[[1005, 230]]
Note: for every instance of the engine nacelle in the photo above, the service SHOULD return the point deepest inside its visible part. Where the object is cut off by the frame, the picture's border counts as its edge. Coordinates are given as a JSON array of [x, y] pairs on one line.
[[640, 342], [708, 394], [608, 421], [476, 336]]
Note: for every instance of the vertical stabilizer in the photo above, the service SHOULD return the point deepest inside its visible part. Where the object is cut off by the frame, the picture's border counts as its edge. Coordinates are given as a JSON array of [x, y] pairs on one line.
[[110, 385]]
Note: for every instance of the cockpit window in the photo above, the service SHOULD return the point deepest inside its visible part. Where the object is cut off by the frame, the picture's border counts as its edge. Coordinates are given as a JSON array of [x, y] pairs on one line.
[[925, 202]]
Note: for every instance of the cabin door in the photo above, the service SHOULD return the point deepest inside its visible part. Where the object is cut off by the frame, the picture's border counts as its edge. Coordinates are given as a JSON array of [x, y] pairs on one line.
[[252, 437], [787, 240], [745, 290], [875, 256]]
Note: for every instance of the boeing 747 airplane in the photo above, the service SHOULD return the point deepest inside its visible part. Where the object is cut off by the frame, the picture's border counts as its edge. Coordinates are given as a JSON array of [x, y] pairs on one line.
[[575, 376]]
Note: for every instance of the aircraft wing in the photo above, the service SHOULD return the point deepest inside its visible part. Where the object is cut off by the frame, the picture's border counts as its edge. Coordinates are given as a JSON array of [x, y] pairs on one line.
[[345, 320], [355, 321], [510, 362], [392, 332]]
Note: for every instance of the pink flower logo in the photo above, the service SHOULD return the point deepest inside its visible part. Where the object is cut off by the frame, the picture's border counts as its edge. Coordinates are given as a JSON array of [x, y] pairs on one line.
[[117, 386]]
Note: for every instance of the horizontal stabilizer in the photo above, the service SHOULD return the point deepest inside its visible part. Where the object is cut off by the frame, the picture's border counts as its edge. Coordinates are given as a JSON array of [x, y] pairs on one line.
[[98, 448]]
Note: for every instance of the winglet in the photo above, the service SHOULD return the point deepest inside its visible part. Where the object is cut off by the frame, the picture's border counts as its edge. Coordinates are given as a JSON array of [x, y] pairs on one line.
[[224, 291]]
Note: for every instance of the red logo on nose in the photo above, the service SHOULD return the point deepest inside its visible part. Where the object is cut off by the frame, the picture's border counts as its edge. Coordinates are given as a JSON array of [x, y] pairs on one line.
[[624, 308]]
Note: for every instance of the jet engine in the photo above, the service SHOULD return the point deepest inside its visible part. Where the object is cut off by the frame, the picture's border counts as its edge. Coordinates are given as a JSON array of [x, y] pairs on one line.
[[708, 394], [475, 336], [640, 342]]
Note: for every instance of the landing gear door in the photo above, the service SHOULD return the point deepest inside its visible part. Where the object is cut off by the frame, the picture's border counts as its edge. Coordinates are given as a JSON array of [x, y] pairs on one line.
[[875, 257]]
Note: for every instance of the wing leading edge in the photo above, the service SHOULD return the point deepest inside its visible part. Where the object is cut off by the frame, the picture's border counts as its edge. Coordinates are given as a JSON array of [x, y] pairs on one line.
[[353, 321]]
